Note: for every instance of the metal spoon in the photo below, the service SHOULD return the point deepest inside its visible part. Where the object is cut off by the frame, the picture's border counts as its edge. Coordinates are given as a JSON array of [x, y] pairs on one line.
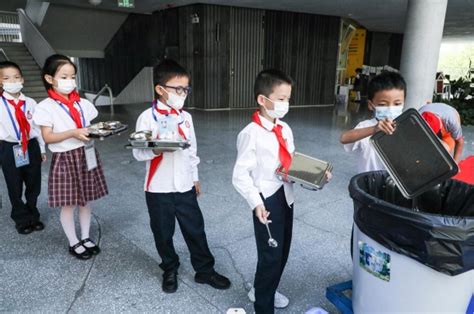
[[271, 242]]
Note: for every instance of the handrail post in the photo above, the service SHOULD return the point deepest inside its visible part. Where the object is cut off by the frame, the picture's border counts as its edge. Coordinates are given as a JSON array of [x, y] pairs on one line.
[[111, 97], [112, 109]]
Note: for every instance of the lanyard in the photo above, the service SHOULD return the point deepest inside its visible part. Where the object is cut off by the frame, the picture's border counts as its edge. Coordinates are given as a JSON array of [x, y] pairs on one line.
[[155, 105], [17, 131], [82, 112]]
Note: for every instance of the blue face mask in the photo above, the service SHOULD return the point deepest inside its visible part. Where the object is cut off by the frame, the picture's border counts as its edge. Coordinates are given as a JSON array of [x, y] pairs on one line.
[[388, 112]]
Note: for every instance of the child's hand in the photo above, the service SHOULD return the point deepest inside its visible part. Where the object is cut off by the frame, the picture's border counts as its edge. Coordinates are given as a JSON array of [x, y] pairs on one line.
[[328, 175], [43, 157], [81, 134], [261, 213], [197, 185], [386, 125]]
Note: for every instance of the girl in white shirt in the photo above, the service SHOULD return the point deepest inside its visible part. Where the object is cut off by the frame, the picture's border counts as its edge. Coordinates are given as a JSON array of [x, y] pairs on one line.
[[76, 177]]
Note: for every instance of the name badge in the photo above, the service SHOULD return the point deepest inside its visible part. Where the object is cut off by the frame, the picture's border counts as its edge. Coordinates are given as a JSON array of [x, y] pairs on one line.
[[91, 158], [21, 159], [167, 128]]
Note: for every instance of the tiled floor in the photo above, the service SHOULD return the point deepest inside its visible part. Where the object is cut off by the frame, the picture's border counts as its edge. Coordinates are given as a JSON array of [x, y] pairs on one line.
[[37, 274]]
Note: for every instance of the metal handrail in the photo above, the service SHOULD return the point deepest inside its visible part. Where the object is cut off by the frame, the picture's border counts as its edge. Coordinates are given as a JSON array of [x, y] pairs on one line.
[[4, 54], [103, 89], [8, 12], [10, 27]]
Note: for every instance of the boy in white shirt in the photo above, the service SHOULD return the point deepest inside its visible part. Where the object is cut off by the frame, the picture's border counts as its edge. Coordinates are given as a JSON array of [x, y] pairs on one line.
[[262, 146], [386, 94], [22, 149], [172, 181]]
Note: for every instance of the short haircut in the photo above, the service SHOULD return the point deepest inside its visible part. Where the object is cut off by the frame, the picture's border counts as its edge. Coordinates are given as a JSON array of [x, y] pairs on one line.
[[267, 80], [52, 65], [10, 64], [167, 70], [386, 81]]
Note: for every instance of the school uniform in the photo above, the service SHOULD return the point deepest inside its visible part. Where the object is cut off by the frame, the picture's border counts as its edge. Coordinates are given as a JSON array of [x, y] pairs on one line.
[[367, 158], [170, 192], [260, 147], [30, 142], [70, 183], [451, 129]]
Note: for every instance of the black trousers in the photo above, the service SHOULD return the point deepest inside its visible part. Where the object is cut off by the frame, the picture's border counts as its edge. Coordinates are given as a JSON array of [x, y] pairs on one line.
[[272, 261], [29, 176], [164, 208]]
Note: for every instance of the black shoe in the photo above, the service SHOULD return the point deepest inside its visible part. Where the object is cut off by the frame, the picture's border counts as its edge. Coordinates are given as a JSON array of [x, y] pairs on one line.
[[84, 255], [92, 250], [24, 229], [213, 279], [37, 225], [170, 281]]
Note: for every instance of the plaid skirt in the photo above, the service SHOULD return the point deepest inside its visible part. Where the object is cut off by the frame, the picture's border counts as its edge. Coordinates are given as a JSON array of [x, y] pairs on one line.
[[70, 184]]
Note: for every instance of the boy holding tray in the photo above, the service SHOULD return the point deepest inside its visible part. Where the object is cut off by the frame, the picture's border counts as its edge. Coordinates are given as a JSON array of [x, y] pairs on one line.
[[172, 182]]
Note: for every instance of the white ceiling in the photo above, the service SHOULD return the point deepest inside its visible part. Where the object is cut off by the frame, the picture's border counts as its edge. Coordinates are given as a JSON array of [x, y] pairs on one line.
[[375, 15]]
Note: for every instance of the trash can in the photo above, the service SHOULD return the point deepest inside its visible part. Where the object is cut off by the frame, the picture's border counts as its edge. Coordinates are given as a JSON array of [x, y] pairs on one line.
[[412, 255]]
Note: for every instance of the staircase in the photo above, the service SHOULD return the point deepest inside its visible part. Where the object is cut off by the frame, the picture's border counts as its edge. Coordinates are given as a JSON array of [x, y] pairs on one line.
[[33, 86]]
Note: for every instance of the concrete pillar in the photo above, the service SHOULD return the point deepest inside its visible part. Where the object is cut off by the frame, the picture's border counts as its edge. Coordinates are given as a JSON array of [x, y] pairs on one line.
[[421, 44]]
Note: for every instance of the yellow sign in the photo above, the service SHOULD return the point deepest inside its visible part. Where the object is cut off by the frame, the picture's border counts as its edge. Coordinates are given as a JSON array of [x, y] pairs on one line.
[[355, 58]]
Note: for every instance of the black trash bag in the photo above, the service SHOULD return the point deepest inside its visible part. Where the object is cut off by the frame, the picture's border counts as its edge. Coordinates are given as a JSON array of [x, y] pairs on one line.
[[436, 228]]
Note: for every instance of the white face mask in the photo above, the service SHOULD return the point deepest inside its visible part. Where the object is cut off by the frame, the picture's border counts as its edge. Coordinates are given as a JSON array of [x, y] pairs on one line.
[[388, 112], [175, 101], [12, 88], [66, 86], [280, 109]]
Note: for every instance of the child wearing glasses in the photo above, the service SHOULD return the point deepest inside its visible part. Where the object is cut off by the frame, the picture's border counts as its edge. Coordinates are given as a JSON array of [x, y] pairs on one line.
[[172, 182]]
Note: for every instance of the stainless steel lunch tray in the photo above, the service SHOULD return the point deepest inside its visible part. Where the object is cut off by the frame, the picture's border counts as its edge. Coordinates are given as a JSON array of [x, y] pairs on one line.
[[308, 171], [158, 144], [105, 129], [413, 155]]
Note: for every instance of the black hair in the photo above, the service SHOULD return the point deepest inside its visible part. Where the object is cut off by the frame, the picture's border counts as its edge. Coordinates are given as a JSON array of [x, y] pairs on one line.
[[166, 70], [358, 70], [266, 81], [52, 65], [10, 64], [386, 81]]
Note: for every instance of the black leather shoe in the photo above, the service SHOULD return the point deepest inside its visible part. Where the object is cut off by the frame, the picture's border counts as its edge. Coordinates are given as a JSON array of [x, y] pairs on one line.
[[84, 255], [24, 229], [37, 225], [170, 282], [213, 279], [92, 250]]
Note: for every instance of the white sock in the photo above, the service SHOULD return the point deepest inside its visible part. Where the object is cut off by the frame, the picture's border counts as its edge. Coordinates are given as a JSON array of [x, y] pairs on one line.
[[67, 221], [85, 222]]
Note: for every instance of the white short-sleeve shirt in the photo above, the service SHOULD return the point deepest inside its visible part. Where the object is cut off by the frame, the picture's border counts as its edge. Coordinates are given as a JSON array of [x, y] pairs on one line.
[[51, 113], [367, 158]]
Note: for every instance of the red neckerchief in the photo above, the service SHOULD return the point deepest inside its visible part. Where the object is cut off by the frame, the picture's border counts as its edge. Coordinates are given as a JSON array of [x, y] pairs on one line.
[[155, 162], [69, 103], [22, 122], [283, 153]]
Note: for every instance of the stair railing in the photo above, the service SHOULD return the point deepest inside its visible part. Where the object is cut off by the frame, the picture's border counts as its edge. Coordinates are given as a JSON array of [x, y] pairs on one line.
[[111, 96], [9, 27], [3, 55]]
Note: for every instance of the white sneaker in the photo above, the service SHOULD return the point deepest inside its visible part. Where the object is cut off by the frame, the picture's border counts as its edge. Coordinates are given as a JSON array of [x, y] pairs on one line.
[[280, 300]]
